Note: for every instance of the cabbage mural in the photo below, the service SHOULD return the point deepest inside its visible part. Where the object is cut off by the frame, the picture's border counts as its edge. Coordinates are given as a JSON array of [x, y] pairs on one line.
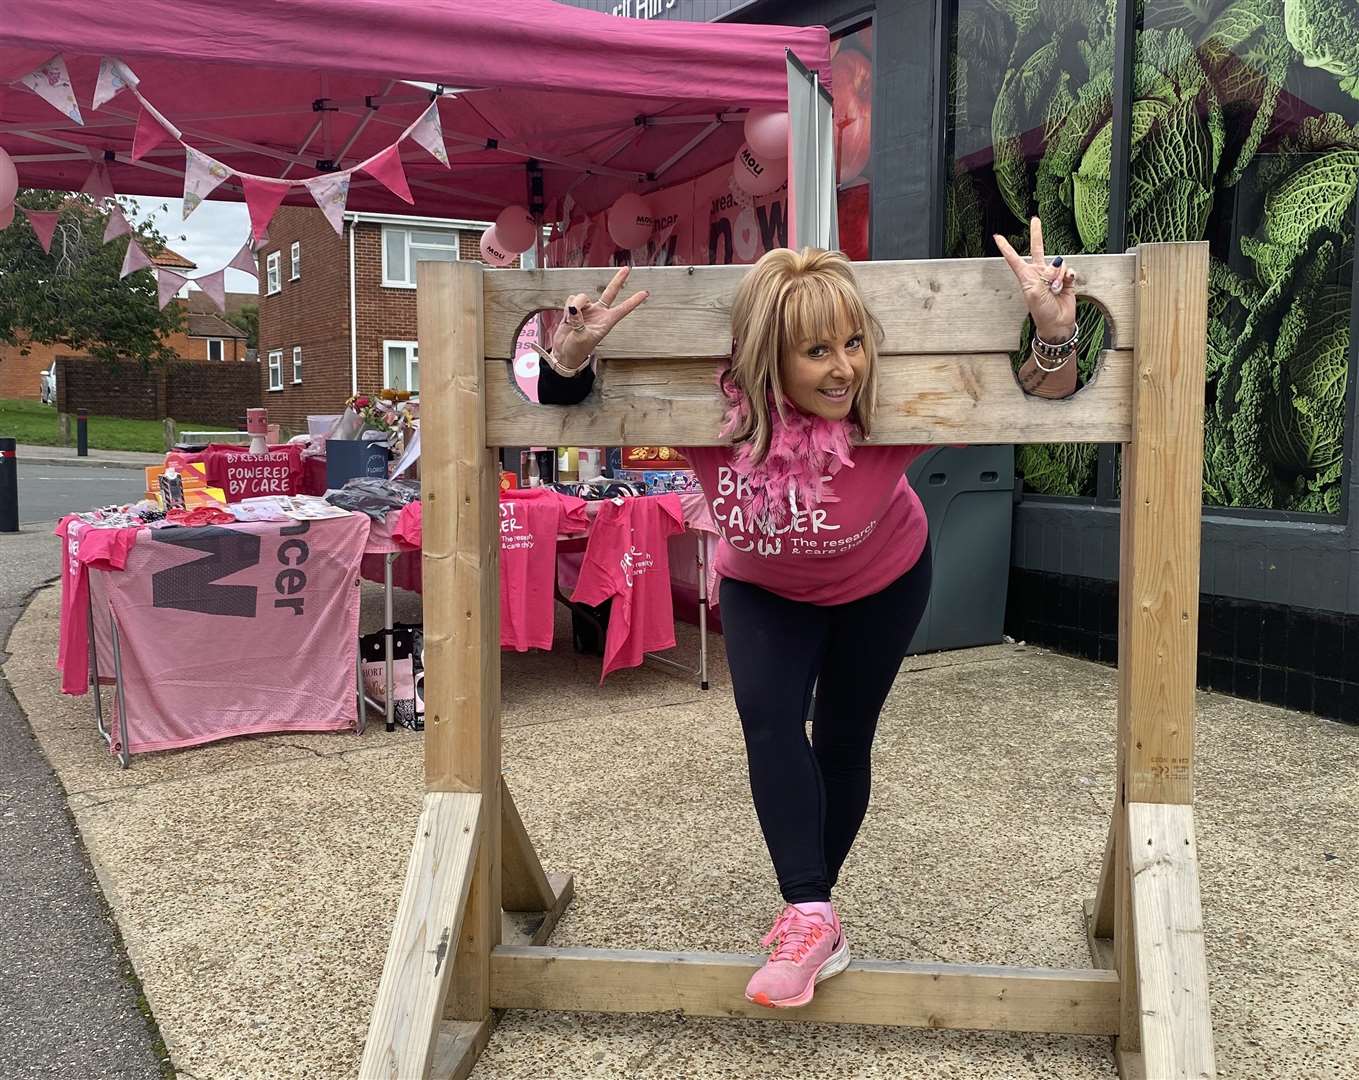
[[1245, 133]]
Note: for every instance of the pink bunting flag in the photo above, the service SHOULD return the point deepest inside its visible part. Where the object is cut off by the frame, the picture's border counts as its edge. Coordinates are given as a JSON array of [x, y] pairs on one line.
[[135, 259], [245, 260], [202, 176], [168, 284], [429, 133], [214, 288], [44, 223], [98, 186], [149, 135], [387, 170], [114, 78], [117, 225], [330, 192], [52, 83], [263, 197]]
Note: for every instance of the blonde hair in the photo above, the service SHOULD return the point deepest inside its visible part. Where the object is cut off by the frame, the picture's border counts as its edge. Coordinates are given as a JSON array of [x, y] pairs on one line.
[[790, 297]]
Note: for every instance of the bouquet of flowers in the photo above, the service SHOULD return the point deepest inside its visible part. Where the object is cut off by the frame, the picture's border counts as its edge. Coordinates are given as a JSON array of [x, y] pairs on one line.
[[389, 416]]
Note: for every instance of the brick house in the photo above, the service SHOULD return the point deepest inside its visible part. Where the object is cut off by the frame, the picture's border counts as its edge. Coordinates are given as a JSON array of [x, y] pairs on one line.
[[205, 336], [312, 357]]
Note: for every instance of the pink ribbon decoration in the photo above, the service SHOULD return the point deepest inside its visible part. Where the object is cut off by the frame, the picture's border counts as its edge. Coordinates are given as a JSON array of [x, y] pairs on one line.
[[149, 135], [114, 78], [44, 223], [117, 225], [245, 260], [263, 197], [135, 259], [330, 191], [429, 133], [52, 82], [202, 176], [214, 288], [168, 284], [387, 170], [98, 186]]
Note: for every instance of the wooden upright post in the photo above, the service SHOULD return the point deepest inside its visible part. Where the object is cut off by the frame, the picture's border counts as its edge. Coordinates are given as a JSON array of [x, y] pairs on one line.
[[1152, 864]]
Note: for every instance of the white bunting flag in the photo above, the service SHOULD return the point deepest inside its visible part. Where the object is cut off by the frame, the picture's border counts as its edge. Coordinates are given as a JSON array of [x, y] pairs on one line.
[[168, 284], [135, 259], [114, 78], [429, 133], [202, 176], [52, 83], [330, 192]]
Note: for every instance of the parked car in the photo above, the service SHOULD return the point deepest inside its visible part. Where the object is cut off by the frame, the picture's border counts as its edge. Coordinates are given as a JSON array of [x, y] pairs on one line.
[[48, 385]]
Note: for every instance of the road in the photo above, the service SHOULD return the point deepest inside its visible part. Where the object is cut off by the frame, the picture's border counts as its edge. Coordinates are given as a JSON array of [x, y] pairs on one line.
[[47, 492], [68, 995]]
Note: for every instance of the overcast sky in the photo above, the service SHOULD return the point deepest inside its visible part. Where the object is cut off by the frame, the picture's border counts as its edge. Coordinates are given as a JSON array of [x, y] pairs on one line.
[[211, 236]]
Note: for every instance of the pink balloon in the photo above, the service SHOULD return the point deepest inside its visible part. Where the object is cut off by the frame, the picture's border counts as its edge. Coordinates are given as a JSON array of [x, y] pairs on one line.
[[516, 229], [630, 221], [9, 179], [757, 175], [6, 216], [767, 133], [493, 251]]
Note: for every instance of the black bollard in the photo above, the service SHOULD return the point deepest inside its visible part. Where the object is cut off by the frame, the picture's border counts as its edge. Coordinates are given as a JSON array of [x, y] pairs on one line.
[[82, 433], [9, 486]]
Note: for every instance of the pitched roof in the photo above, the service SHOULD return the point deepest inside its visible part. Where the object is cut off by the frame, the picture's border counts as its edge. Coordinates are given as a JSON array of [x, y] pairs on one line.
[[200, 304], [200, 324], [173, 260]]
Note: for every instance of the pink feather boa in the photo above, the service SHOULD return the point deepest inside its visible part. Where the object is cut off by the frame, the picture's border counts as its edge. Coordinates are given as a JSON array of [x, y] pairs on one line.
[[805, 453]]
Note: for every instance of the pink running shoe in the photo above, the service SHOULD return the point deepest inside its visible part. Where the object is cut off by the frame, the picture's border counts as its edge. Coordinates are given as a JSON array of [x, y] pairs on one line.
[[809, 946]]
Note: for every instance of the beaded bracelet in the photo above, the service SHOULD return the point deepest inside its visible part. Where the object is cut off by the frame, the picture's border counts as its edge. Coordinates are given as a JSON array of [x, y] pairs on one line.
[[1061, 352]]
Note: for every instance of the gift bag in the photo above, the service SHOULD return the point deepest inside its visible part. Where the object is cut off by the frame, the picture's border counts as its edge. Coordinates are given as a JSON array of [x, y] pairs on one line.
[[408, 699]]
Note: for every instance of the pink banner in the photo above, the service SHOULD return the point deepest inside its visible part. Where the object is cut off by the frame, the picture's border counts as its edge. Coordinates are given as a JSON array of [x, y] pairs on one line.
[[150, 134], [429, 133], [263, 197], [330, 192], [245, 261], [135, 259], [168, 284], [214, 288], [239, 631], [44, 224], [386, 169], [97, 185], [117, 225]]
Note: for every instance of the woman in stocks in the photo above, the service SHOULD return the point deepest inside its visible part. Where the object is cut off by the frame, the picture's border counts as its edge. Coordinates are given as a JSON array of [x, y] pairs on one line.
[[824, 559]]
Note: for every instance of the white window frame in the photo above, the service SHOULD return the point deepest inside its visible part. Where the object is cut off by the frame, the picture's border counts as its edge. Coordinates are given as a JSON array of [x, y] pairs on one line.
[[271, 274], [297, 365], [412, 355], [276, 369], [295, 257], [221, 349], [407, 278]]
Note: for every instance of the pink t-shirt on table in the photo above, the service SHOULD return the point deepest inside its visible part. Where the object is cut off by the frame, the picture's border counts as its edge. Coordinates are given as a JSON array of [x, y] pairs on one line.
[[530, 520], [83, 546], [831, 554], [628, 561]]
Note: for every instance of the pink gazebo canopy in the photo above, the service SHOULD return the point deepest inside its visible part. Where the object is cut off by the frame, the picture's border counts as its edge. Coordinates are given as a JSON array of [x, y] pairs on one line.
[[602, 104]]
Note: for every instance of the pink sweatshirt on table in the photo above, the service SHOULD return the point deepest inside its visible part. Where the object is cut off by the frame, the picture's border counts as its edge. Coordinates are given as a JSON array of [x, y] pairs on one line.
[[530, 520], [833, 553]]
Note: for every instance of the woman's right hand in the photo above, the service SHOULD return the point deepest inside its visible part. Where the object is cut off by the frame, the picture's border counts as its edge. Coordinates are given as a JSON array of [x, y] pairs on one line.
[[585, 322]]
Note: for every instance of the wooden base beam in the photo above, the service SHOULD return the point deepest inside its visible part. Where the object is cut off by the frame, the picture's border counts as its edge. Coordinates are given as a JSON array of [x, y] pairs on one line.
[[1172, 965], [415, 977], [985, 997]]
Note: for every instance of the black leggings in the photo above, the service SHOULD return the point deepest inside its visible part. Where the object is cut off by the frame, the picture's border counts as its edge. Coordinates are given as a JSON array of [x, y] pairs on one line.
[[811, 799]]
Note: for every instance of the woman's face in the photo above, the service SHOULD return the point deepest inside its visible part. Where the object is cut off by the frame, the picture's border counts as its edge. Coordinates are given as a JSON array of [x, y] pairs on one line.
[[822, 377]]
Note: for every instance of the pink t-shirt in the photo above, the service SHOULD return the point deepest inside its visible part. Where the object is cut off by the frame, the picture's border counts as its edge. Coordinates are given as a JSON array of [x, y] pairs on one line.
[[530, 519], [830, 554], [628, 560], [82, 547]]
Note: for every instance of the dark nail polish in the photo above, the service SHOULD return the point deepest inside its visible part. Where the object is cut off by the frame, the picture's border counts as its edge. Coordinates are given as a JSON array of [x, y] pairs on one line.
[[572, 309], [1057, 261]]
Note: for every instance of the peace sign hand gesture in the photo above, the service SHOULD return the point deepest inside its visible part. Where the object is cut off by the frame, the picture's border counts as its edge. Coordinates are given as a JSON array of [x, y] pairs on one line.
[[585, 322], [1054, 312]]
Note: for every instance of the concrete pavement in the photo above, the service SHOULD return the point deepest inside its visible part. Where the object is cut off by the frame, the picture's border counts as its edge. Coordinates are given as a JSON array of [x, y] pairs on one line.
[[255, 880], [71, 1002]]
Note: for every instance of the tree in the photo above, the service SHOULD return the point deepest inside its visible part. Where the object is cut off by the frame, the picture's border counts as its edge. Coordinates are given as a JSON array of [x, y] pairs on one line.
[[248, 319], [73, 296]]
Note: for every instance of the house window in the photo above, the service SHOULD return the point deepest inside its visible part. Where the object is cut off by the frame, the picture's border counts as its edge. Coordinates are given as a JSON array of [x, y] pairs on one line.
[[216, 349], [403, 248], [297, 364], [272, 284], [401, 367], [297, 260], [276, 370]]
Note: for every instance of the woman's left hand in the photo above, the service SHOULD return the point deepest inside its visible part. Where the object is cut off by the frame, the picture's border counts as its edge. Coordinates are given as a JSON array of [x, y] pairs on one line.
[[1053, 312]]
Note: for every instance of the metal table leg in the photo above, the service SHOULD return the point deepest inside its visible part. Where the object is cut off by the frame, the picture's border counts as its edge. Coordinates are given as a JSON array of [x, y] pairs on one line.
[[94, 670], [387, 630], [123, 755], [363, 698], [702, 610]]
